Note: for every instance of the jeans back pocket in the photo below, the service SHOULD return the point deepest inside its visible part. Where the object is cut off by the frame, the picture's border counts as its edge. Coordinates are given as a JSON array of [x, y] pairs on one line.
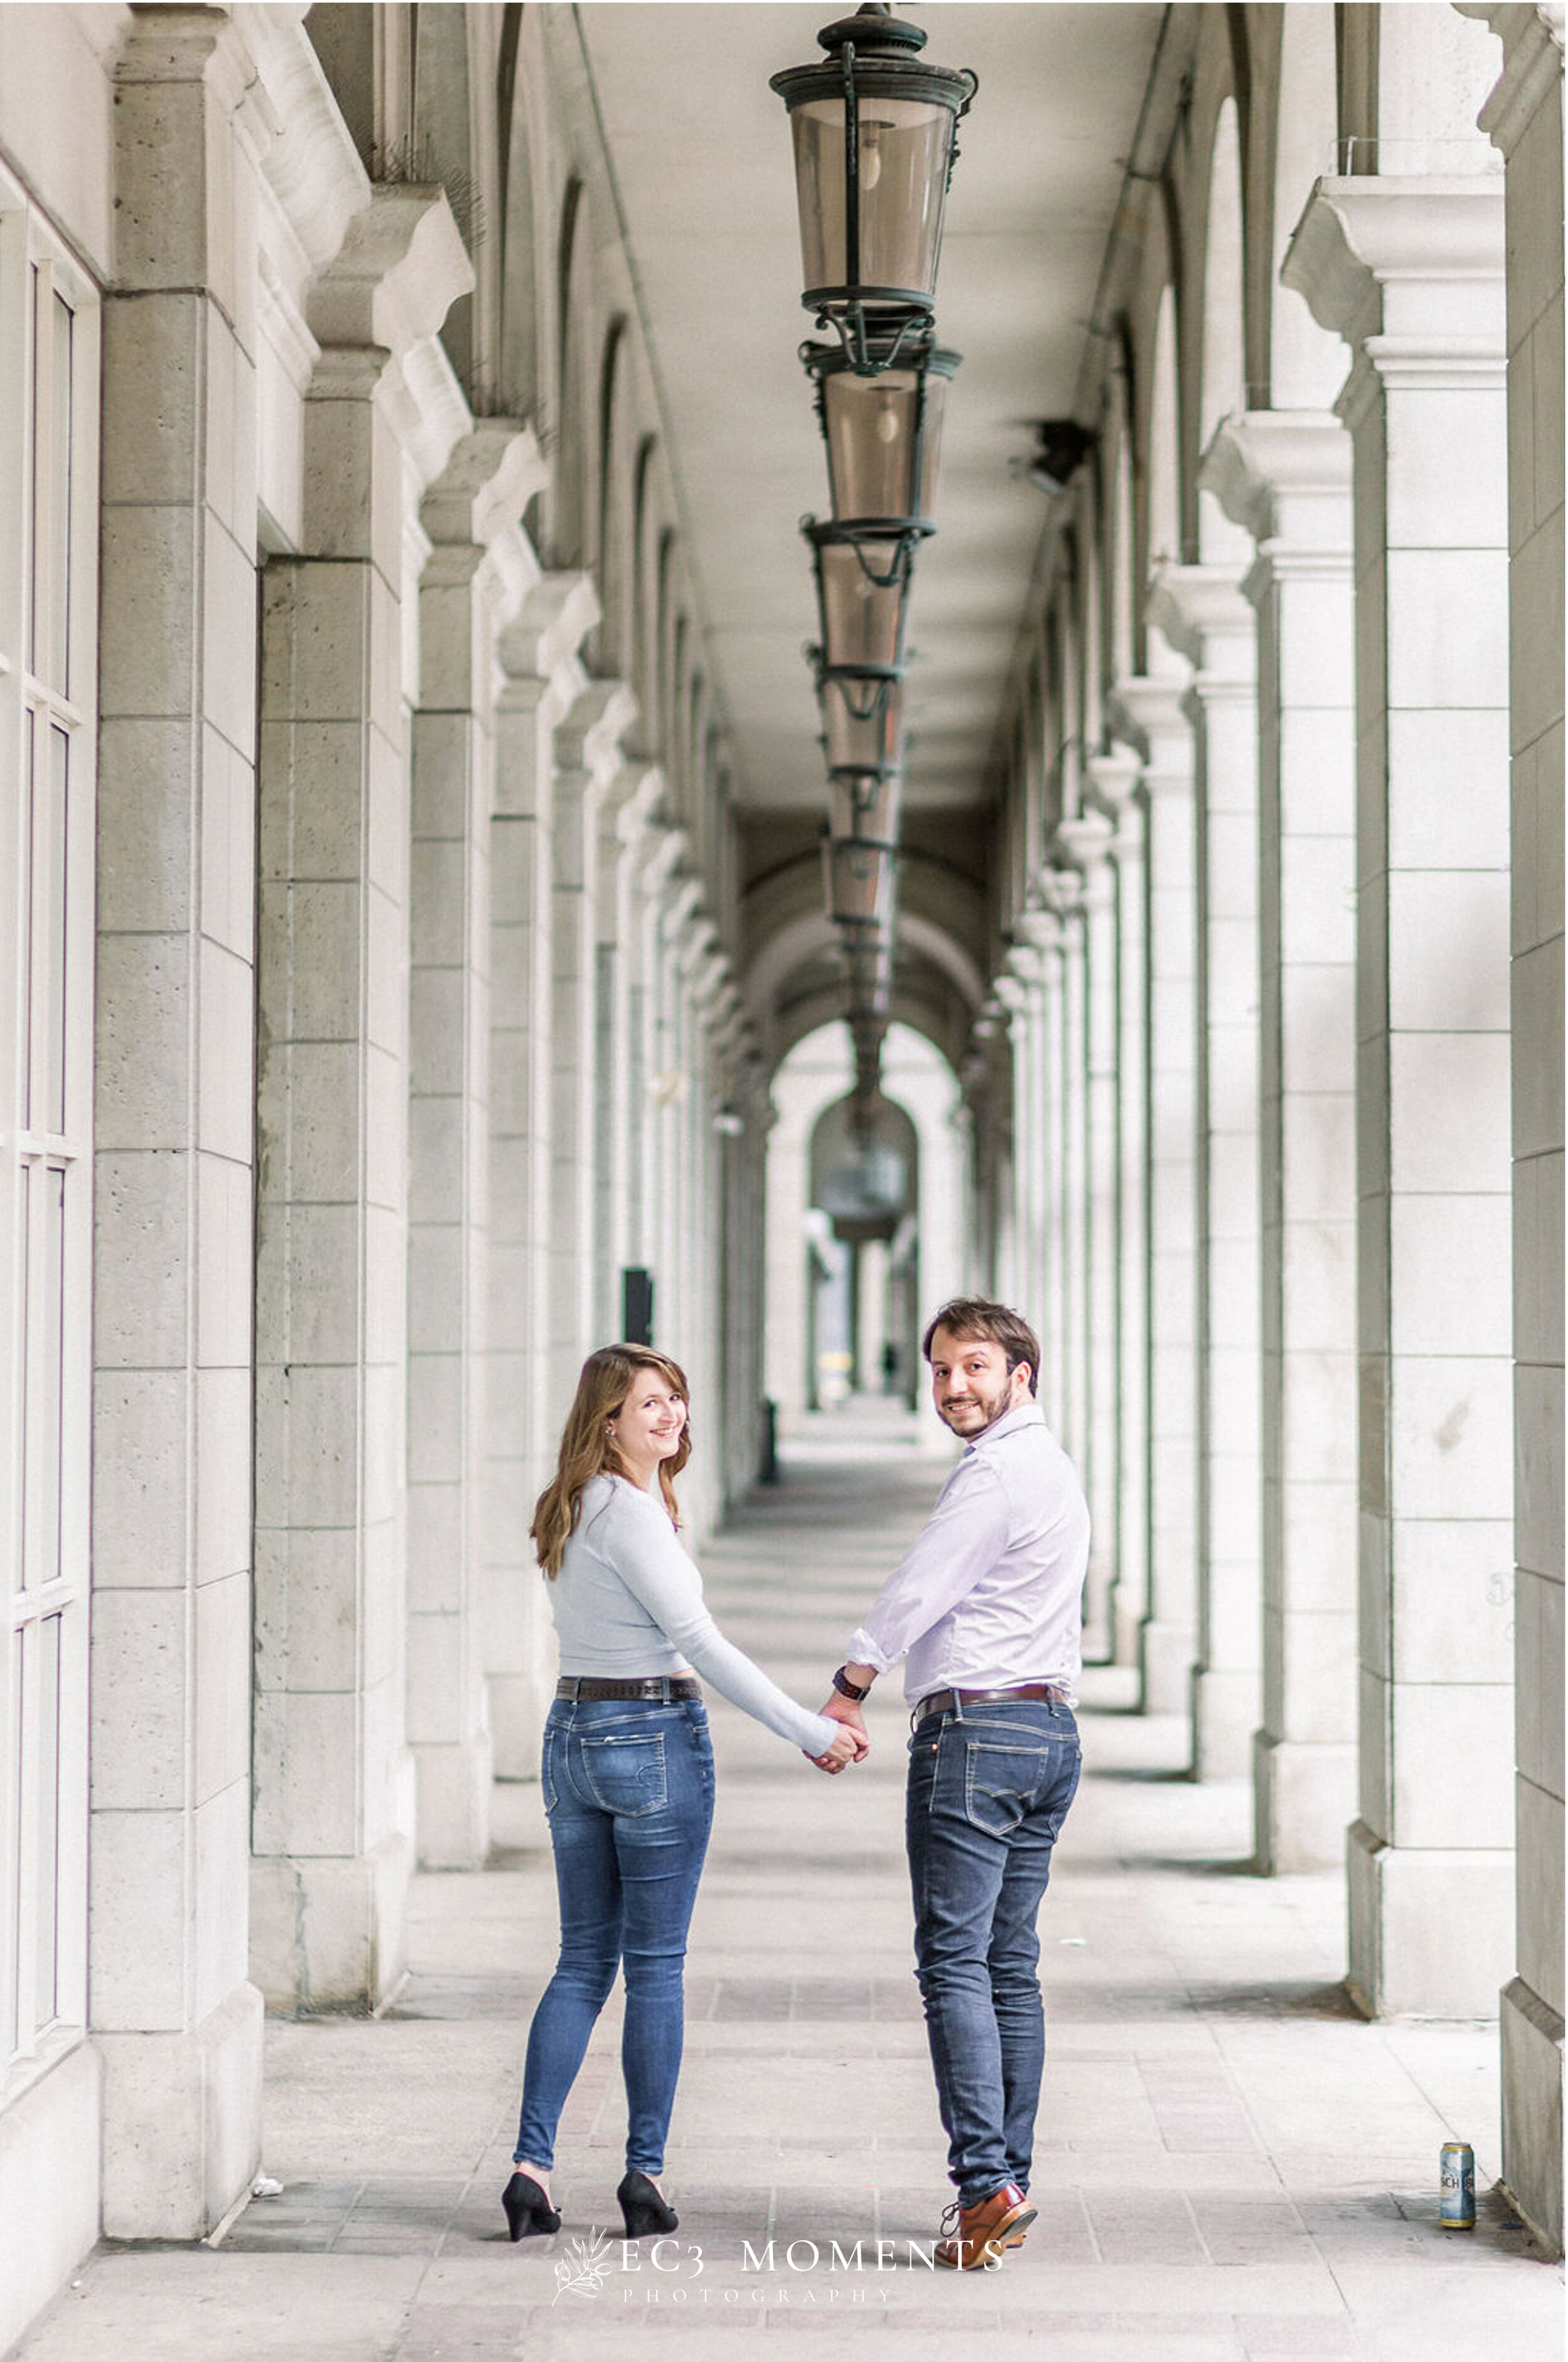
[[625, 1774], [1000, 1784]]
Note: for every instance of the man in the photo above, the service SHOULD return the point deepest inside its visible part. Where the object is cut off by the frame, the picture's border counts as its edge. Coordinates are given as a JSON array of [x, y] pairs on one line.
[[985, 1609]]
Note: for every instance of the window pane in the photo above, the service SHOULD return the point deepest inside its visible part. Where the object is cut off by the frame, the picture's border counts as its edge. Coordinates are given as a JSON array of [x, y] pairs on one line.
[[48, 1472], [35, 462], [59, 839], [26, 1390], [63, 324], [45, 1846], [28, 907], [18, 1759]]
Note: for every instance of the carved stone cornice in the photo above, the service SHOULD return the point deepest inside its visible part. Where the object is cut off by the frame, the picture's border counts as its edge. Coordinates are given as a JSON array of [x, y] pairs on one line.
[[1150, 707], [1285, 475], [1405, 268], [558, 614], [1532, 63], [1203, 614], [400, 268], [1113, 780]]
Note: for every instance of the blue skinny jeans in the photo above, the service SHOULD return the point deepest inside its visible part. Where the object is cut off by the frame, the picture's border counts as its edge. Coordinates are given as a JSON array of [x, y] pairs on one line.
[[988, 1790], [629, 1787]]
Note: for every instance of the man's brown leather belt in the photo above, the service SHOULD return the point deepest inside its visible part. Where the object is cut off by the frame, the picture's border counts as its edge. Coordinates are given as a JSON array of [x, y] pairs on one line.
[[673, 1686], [944, 1701]]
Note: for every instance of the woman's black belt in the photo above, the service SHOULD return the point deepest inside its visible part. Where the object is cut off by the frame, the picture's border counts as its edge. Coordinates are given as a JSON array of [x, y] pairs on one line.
[[671, 1686]]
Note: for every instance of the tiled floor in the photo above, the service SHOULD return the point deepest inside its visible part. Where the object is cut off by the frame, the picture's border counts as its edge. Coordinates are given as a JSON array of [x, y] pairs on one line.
[[1229, 2164]]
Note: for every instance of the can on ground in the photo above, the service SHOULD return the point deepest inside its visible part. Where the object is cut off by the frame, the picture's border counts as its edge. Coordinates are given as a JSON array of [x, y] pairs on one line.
[[1456, 2174]]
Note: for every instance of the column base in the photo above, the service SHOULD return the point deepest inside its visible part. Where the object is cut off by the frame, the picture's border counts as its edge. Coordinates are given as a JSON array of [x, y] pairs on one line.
[[182, 2122], [1224, 1717], [1431, 1932], [1166, 1654], [453, 1785], [50, 2147], [1532, 2110], [1303, 1802], [329, 1933]]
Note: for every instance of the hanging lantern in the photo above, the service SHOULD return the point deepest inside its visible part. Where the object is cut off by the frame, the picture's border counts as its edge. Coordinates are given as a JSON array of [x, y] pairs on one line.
[[883, 435], [863, 725], [873, 153], [862, 583], [858, 880], [866, 804]]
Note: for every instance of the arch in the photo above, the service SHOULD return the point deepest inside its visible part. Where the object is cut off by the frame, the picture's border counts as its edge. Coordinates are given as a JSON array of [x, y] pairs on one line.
[[568, 521], [1121, 585], [1306, 363], [517, 328], [1162, 526], [615, 570], [645, 597]]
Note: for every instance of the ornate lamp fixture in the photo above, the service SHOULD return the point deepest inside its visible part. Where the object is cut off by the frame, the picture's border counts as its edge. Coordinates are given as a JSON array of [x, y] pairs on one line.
[[863, 718], [858, 879], [883, 436], [862, 606], [874, 130], [864, 804]]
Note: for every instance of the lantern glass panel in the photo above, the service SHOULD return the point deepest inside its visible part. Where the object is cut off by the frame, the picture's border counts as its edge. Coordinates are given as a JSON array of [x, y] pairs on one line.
[[858, 741], [871, 439], [859, 882], [903, 154], [866, 804], [863, 622]]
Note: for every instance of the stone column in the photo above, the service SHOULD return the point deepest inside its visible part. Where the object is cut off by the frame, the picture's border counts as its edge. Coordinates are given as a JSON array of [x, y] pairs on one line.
[[542, 678], [473, 574], [1083, 842], [334, 1819], [1203, 613], [1524, 117], [623, 817], [1152, 711], [1410, 272], [178, 2025], [1287, 477], [1113, 780], [587, 756]]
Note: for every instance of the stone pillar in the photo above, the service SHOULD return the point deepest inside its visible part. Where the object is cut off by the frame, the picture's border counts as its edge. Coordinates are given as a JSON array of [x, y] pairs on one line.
[[542, 678], [1410, 272], [1083, 842], [1152, 708], [1113, 779], [178, 2025], [1285, 476], [587, 755], [1524, 117], [1203, 613], [473, 574], [622, 816], [334, 1818]]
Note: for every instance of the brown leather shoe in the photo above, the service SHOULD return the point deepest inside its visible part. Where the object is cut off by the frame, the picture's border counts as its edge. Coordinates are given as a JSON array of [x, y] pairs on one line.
[[983, 2231]]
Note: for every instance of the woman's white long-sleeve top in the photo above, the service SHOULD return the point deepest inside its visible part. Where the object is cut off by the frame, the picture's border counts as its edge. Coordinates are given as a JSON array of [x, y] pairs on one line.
[[628, 1602]]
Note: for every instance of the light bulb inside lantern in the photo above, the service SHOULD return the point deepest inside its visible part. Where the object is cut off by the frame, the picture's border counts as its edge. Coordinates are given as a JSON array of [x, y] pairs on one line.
[[887, 422], [871, 153]]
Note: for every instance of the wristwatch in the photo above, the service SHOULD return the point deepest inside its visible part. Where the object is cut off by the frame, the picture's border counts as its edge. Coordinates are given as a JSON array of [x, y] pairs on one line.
[[846, 1688]]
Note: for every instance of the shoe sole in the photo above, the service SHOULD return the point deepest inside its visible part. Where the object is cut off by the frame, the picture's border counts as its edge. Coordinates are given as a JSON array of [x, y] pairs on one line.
[[1009, 2236]]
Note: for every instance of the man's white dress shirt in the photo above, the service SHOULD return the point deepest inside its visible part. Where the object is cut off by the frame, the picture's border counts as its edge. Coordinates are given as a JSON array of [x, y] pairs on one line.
[[990, 1594]]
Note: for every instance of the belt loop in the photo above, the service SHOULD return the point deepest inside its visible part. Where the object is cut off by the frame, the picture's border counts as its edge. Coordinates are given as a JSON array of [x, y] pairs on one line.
[[958, 1704], [664, 1690]]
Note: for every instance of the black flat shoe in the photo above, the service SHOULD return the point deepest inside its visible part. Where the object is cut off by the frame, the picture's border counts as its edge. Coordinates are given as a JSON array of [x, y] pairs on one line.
[[528, 2210], [642, 2207]]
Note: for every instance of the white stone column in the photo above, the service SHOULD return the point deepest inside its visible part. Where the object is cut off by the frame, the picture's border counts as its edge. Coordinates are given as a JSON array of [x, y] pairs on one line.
[[1152, 708], [542, 680], [474, 574], [1285, 476], [1203, 613], [1411, 273], [178, 2025], [1524, 117], [333, 1815], [623, 817], [587, 756], [1084, 844], [1113, 779]]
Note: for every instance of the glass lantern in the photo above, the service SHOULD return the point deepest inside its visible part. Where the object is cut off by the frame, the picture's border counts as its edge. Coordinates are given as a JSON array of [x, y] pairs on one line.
[[858, 881], [863, 719], [862, 598], [883, 435], [874, 132], [866, 804]]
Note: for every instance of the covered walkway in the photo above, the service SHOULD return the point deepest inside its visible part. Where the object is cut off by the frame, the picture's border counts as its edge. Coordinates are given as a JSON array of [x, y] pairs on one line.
[[1230, 2163]]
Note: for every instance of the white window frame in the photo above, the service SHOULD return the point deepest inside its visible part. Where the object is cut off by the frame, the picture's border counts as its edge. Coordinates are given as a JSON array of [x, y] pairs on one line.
[[44, 1560]]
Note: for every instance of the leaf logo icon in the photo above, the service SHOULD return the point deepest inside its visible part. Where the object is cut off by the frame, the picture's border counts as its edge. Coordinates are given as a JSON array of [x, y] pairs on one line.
[[583, 2272]]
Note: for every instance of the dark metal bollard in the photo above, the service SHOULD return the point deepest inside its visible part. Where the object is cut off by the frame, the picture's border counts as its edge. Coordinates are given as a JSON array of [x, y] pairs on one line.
[[768, 1471]]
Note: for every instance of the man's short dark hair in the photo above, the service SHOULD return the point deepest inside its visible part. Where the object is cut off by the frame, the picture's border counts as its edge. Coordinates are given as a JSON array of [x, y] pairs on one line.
[[968, 1317]]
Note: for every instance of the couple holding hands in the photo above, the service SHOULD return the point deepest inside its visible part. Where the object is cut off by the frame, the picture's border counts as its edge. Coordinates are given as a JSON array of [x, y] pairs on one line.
[[984, 1609]]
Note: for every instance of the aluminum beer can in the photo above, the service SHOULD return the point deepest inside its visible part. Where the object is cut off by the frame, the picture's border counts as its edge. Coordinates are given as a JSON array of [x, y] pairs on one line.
[[1456, 2173]]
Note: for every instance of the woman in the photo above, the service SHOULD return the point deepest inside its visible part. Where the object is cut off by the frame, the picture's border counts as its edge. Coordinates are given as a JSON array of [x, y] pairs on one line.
[[628, 1770]]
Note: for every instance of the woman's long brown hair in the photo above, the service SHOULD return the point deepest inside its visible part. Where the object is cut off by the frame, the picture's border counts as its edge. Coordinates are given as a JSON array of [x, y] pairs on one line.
[[588, 1448]]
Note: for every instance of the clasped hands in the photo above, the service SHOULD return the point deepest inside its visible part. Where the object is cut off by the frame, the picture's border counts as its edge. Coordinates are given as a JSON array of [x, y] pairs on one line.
[[851, 1744]]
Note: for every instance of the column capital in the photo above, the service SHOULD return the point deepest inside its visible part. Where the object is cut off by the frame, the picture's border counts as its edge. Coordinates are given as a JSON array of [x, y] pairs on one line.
[[1202, 612], [400, 268], [669, 845], [589, 739], [1152, 707], [630, 800], [1404, 267], [558, 614], [1012, 994], [1285, 475], [1113, 779], [488, 480], [1532, 63]]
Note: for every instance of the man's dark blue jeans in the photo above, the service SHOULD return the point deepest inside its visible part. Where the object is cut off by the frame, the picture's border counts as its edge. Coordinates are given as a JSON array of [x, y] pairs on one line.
[[989, 1787]]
